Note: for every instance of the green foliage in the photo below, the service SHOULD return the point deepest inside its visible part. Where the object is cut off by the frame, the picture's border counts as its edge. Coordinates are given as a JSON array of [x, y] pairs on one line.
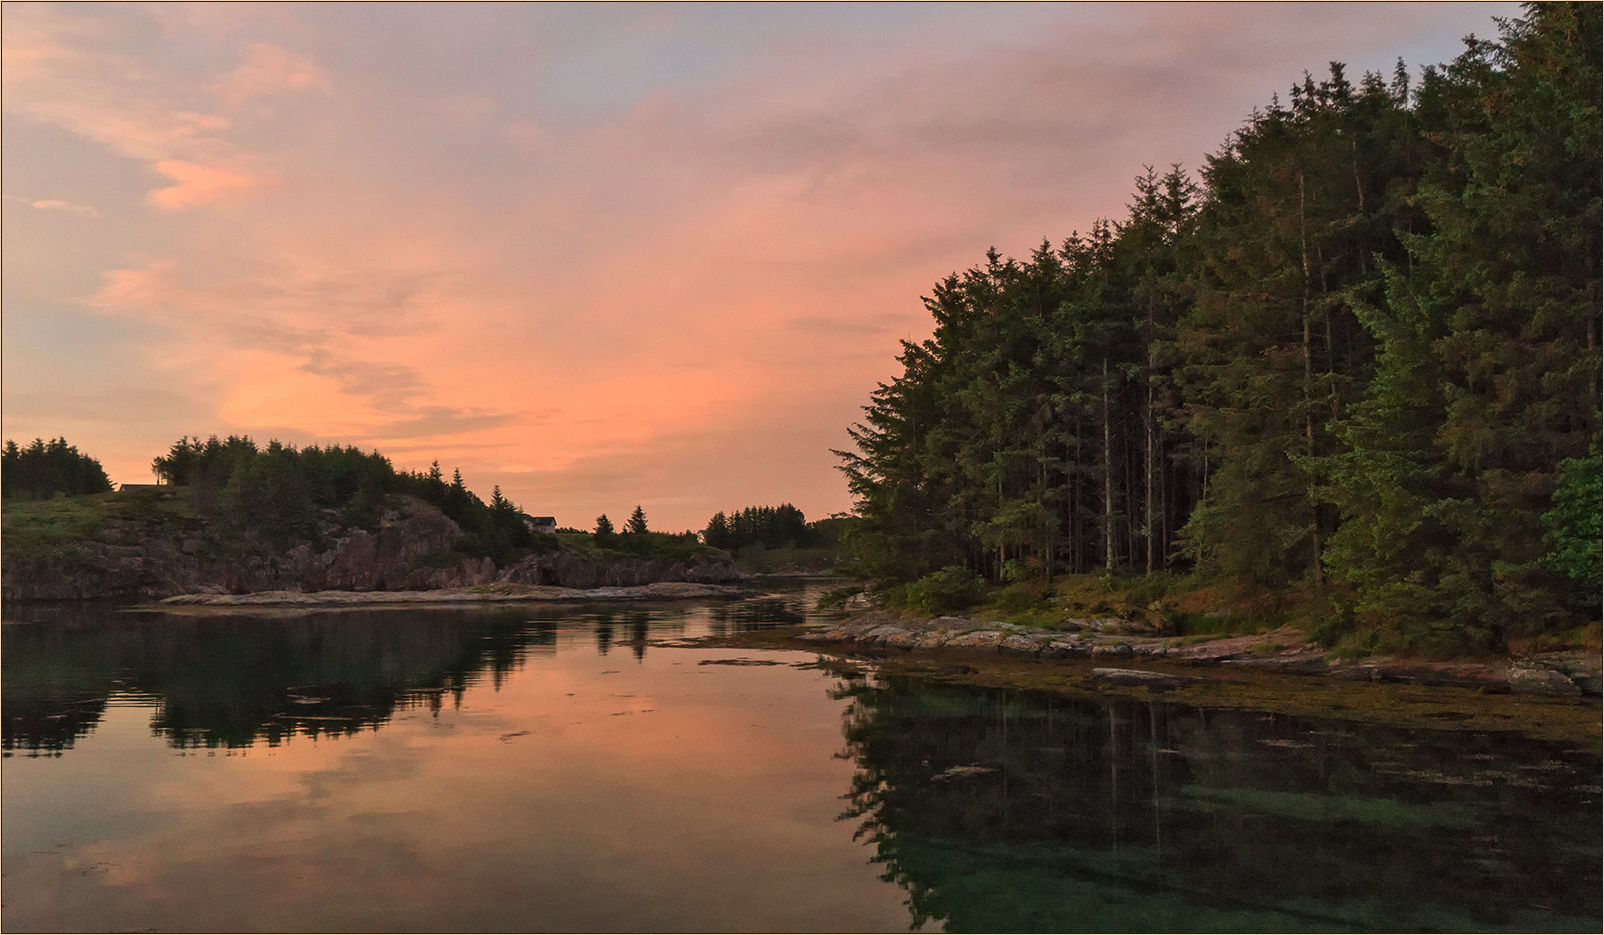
[[1573, 527], [829, 533], [1351, 371], [1488, 368], [604, 527], [950, 589], [44, 469], [267, 496], [1021, 597], [836, 598], [277, 496]]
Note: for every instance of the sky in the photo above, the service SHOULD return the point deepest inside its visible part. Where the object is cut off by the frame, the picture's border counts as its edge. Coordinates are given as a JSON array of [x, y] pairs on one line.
[[599, 255]]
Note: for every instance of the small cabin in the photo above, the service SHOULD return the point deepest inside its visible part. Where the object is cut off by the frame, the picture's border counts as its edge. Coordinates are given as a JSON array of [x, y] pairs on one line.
[[545, 524]]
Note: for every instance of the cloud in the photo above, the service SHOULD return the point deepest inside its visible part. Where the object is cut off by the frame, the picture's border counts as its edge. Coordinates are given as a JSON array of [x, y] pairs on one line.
[[201, 184], [637, 264], [270, 68], [51, 204], [69, 72], [440, 421]]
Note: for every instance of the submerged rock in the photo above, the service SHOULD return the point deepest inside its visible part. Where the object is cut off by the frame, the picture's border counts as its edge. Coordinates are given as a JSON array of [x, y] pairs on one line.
[[1566, 673], [1162, 680], [1539, 679]]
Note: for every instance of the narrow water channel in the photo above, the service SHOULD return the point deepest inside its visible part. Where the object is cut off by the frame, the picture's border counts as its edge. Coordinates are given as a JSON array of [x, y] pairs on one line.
[[572, 769]]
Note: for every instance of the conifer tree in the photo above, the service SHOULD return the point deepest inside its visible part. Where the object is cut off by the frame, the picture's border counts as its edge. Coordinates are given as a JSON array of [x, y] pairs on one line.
[[637, 521], [1488, 375]]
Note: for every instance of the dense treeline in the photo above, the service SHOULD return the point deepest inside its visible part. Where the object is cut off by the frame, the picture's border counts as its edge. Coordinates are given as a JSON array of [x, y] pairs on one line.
[[44, 469], [1356, 363], [775, 527], [279, 492]]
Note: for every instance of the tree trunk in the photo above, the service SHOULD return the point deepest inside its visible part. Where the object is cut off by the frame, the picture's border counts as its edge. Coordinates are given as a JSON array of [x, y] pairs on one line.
[[1108, 480], [1308, 383]]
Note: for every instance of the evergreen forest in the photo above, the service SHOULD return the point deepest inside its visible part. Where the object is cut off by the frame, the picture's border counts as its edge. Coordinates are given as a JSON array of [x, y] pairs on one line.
[[278, 493], [1352, 367], [774, 527], [44, 469]]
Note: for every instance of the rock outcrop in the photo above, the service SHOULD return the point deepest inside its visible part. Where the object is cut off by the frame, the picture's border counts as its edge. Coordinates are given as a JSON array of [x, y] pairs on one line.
[[1283, 650], [410, 551]]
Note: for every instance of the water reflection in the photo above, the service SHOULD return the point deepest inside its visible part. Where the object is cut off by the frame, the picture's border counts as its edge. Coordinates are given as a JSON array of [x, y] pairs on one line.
[[992, 810], [999, 811], [553, 789], [234, 681], [760, 613]]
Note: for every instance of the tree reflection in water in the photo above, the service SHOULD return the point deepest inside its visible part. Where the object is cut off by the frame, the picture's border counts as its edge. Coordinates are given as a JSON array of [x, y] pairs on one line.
[[1004, 811], [237, 680], [241, 680]]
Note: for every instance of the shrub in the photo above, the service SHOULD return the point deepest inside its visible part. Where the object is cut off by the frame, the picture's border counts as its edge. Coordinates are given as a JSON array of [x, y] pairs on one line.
[[952, 588]]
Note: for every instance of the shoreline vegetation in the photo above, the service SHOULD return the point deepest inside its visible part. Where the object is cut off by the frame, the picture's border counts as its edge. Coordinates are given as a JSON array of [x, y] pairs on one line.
[[1349, 374]]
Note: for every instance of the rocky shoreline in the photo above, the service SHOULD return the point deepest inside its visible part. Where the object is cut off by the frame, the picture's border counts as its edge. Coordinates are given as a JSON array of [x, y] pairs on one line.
[[496, 593], [1120, 644]]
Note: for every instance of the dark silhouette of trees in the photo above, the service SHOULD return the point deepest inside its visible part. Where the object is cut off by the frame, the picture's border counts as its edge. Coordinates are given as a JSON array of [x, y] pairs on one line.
[[775, 527], [637, 522], [45, 469]]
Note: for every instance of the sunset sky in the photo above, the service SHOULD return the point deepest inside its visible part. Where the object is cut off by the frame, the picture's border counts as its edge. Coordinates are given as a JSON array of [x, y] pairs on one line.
[[599, 255]]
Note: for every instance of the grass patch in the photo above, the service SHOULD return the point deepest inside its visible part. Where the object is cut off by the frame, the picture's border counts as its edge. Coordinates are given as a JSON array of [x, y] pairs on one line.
[[41, 526], [1163, 601], [1218, 626]]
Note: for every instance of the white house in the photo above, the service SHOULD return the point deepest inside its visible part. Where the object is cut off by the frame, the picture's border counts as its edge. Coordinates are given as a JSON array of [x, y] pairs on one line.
[[545, 524]]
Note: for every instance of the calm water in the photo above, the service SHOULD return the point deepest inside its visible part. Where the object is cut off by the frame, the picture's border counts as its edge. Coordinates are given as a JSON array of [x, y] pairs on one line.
[[571, 770]]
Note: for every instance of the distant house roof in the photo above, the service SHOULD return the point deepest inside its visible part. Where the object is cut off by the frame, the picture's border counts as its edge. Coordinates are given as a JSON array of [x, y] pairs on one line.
[[544, 520]]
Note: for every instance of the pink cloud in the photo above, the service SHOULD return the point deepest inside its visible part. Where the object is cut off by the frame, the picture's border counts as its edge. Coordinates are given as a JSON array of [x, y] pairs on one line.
[[55, 204], [682, 302], [270, 68], [201, 184]]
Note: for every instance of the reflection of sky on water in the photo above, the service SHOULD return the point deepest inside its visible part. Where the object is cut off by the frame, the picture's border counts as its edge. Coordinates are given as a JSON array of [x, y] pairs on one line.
[[572, 768], [246, 678], [575, 791]]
